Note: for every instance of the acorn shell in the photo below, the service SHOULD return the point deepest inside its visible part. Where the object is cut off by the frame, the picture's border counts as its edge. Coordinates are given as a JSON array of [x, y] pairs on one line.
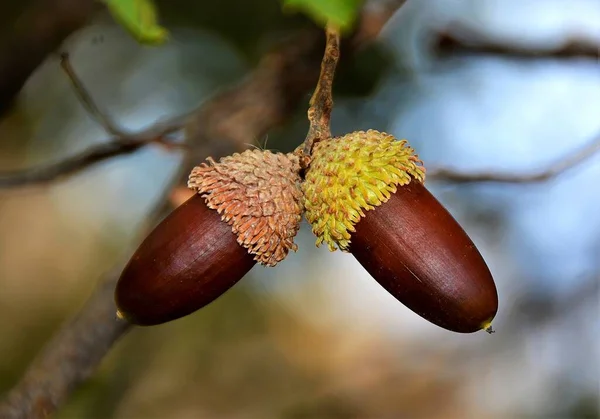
[[418, 252], [191, 258]]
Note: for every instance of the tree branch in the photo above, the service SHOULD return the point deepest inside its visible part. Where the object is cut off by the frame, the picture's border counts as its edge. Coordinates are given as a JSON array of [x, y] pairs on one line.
[[86, 99], [458, 39], [273, 91], [121, 143], [38, 32], [555, 169], [69, 358], [114, 147]]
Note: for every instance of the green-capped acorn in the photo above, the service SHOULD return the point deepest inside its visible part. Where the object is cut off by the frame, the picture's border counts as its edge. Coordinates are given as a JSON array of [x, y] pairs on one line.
[[364, 194], [247, 209]]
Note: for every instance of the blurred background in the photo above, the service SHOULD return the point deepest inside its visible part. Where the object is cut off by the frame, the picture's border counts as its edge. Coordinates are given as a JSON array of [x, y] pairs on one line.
[[504, 86]]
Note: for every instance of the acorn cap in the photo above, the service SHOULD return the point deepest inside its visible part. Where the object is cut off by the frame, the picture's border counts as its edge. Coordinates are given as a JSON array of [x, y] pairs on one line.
[[350, 175], [258, 194]]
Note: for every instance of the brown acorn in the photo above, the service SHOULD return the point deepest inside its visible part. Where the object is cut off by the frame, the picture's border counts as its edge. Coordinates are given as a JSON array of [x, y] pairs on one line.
[[364, 194], [247, 210]]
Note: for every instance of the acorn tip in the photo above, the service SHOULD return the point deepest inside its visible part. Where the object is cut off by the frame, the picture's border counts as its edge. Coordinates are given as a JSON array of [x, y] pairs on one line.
[[487, 326]]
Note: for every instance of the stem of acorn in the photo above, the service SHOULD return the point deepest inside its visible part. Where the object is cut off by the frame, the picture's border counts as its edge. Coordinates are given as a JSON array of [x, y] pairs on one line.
[[321, 102]]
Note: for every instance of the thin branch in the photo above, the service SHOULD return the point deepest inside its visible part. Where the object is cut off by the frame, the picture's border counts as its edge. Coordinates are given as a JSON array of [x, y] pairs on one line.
[[281, 79], [87, 101], [275, 89], [370, 24], [75, 352], [321, 102], [122, 142], [459, 39], [555, 169], [155, 134]]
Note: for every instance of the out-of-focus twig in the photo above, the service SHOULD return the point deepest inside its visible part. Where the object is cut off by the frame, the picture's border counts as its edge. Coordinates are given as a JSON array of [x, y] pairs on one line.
[[555, 169], [155, 134], [86, 99], [68, 358], [542, 309], [321, 102], [36, 34], [74, 353], [72, 356], [461, 40], [120, 144], [264, 100], [370, 23]]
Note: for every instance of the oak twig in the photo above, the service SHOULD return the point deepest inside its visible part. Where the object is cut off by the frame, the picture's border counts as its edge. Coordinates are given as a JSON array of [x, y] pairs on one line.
[[86, 99], [321, 102], [237, 116], [155, 134], [459, 39], [121, 143], [68, 359], [555, 169]]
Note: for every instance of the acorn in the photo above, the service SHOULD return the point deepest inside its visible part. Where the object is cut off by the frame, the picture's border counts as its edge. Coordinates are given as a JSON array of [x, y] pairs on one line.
[[364, 194], [247, 209]]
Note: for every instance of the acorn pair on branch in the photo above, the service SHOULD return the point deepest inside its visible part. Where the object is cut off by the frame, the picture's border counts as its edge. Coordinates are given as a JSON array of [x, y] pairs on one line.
[[362, 193]]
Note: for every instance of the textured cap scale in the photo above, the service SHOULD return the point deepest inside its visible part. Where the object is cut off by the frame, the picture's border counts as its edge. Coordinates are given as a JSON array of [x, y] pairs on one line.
[[353, 174], [258, 194]]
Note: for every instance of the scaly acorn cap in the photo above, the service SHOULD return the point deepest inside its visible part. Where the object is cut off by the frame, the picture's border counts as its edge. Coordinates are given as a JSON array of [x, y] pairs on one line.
[[352, 174], [258, 194]]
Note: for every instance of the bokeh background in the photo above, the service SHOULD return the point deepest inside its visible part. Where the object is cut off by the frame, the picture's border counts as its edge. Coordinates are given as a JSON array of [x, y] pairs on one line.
[[316, 337]]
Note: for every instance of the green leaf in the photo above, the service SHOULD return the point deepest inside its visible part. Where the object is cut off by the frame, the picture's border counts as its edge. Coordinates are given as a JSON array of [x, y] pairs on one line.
[[139, 17], [341, 13]]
